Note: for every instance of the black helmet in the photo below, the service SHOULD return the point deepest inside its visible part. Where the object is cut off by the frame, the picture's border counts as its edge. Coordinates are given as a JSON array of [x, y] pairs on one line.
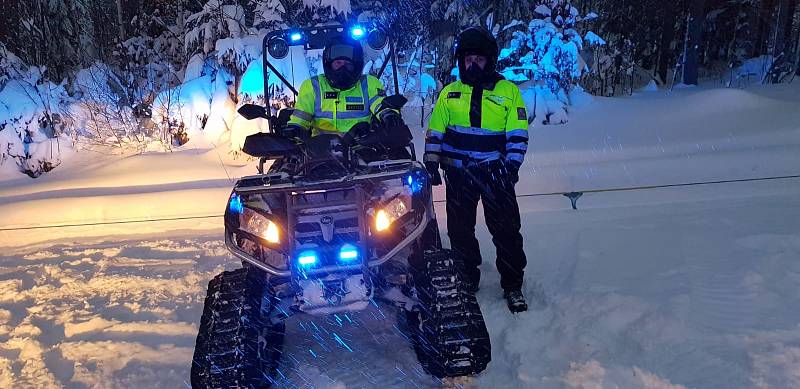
[[476, 41], [343, 47]]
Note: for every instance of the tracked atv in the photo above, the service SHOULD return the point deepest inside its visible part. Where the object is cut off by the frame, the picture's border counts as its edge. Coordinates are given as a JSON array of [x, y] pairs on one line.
[[337, 224]]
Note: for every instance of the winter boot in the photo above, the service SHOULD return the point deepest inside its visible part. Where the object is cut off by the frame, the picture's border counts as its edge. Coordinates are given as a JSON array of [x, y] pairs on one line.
[[515, 300]]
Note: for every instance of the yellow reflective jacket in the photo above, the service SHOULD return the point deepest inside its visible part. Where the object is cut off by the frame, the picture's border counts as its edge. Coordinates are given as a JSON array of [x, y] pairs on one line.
[[323, 109], [478, 125]]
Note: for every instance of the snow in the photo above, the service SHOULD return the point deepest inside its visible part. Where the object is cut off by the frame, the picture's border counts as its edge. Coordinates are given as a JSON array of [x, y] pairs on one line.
[[31, 139], [651, 86], [543, 10], [756, 68], [663, 288], [593, 40], [339, 6]]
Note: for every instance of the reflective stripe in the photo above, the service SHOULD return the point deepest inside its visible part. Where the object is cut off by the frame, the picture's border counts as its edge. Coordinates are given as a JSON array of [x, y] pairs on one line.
[[434, 134], [303, 115], [473, 130], [373, 100], [365, 94], [317, 96], [515, 157], [519, 133], [324, 131], [318, 112], [353, 115], [433, 147], [521, 146], [365, 88], [476, 155]]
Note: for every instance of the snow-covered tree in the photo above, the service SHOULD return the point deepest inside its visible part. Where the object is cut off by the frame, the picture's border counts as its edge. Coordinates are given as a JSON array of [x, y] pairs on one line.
[[57, 34], [217, 20], [35, 122], [269, 14], [547, 53], [11, 66]]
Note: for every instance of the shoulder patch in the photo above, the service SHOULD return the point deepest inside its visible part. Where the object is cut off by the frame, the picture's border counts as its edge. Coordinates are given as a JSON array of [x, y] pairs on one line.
[[381, 92], [331, 95], [522, 114], [454, 95]]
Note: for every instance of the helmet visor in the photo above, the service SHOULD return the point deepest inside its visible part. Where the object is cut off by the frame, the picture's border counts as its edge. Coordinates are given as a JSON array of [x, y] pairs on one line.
[[342, 52]]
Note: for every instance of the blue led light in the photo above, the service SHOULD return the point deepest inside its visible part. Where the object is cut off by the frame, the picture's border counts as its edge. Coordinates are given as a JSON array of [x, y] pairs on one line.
[[416, 181], [348, 253], [235, 204], [307, 258], [295, 36], [357, 32]]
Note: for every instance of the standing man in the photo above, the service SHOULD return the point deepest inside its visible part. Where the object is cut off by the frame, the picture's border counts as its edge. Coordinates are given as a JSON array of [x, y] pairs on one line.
[[478, 133]]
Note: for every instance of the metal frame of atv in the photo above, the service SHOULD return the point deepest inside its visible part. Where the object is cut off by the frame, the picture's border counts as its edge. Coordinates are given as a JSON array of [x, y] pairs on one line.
[[314, 38]]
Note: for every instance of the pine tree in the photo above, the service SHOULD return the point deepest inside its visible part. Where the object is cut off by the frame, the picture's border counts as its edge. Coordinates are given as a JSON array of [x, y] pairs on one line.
[[57, 34]]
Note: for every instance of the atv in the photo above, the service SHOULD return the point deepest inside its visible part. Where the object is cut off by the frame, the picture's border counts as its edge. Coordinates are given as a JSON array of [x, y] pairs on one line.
[[334, 225]]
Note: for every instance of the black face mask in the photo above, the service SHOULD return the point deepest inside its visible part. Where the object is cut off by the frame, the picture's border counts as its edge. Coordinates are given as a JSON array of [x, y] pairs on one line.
[[342, 78], [474, 75]]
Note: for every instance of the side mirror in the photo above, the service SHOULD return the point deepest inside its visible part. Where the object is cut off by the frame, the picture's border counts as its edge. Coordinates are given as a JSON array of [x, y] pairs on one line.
[[252, 111], [395, 101]]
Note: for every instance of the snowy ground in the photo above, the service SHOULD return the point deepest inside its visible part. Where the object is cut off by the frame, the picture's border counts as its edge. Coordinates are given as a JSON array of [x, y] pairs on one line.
[[685, 286]]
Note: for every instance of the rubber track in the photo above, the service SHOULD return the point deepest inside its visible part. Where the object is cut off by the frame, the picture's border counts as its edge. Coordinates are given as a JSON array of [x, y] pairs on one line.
[[234, 348], [448, 334]]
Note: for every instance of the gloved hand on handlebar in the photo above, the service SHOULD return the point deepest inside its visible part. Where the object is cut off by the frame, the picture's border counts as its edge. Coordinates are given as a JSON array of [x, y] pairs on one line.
[[295, 131], [389, 118], [358, 130], [433, 171]]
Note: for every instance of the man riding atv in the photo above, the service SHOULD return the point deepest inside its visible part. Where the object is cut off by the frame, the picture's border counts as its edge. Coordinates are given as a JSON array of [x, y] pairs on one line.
[[343, 98]]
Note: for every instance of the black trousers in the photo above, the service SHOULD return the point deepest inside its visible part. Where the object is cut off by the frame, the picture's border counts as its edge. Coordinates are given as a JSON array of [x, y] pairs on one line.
[[490, 184]]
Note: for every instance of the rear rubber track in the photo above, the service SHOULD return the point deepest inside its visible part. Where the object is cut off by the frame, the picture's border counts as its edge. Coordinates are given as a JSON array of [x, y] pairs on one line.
[[448, 331]]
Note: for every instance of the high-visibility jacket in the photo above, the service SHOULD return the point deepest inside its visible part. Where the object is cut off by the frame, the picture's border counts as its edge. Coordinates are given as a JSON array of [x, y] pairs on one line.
[[323, 109], [469, 124]]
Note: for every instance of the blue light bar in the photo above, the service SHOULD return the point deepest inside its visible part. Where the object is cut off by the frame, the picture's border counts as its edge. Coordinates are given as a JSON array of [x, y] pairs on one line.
[[235, 204], [348, 253], [295, 36], [307, 258], [357, 32]]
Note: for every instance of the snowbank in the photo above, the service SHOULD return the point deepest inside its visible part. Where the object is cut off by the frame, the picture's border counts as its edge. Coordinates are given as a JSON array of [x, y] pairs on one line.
[[755, 68], [35, 124]]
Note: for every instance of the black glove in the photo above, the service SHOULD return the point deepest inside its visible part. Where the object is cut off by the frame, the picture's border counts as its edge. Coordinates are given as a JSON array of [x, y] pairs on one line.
[[294, 131], [512, 167], [390, 119], [358, 130], [433, 171]]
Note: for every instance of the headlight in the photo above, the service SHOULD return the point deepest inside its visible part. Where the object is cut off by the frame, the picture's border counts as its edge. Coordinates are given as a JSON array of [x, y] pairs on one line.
[[384, 217], [254, 223]]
